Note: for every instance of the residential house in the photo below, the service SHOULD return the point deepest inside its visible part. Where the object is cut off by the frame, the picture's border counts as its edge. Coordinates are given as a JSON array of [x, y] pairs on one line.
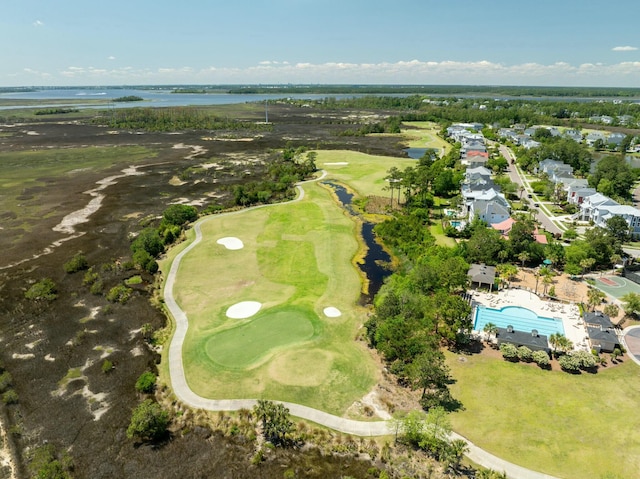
[[625, 120], [601, 332], [615, 139], [477, 171], [577, 194], [555, 169], [575, 135], [598, 208], [475, 159], [594, 136], [505, 226], [489, 206]]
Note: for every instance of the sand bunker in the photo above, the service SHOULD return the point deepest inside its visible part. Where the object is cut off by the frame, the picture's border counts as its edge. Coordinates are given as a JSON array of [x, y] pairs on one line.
[[243, 310], [332, 312], [231, 243]]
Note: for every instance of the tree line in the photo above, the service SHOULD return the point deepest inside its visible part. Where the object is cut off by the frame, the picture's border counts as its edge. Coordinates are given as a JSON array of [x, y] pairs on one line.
[[171, 119]]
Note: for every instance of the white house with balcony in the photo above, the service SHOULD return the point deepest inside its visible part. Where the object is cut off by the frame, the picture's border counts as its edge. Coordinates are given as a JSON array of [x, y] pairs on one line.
[[489, 206], [598, 208]]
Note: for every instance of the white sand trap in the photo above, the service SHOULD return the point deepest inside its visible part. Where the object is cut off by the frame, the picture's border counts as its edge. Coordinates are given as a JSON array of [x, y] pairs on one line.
[[337, 163], [231, 243], [243, 310], [332, 312]]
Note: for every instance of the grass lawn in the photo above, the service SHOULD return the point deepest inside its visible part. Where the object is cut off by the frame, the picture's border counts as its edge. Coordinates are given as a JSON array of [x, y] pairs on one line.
[[296, 261], [441, 239], [570, 426], [364, 173], [424, 134]]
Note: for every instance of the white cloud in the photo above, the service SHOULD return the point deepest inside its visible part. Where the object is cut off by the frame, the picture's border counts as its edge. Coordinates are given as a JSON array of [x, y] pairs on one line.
[[38, 23], [482, 72], [111, 57], [627, 48]]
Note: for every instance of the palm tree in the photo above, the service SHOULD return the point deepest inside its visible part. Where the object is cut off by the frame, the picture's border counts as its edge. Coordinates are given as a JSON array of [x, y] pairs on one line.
[[524, 256], [594, 298], [587, 264], [554, 340], [611, 310], [546, 281], [490, 329]]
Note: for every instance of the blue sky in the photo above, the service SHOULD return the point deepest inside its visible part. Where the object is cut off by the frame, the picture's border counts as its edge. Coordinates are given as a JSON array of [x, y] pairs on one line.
[[542, 42]]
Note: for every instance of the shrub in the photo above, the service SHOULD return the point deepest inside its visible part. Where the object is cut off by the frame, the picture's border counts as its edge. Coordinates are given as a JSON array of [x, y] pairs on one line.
[[90, 277], [5, 381], [45, 289], [77, 263], [179, 214], [107, 366], [97, 287], [146, 383], [10, 397], [585, 359], [541, 358], [509, 352], [148, 421], [569, 363], [525, 354], [148, 240], [119, 294], [143, 260]]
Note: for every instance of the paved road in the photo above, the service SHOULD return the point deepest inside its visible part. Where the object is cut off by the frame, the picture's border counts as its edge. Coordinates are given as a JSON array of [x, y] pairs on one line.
[[348, 426], [539, 214]]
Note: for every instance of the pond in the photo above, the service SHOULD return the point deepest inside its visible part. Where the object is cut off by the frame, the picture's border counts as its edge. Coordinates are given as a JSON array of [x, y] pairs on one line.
[[376, 258]]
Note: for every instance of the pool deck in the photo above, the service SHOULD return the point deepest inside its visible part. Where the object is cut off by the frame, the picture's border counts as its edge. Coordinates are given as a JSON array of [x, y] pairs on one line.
[[574, 327]]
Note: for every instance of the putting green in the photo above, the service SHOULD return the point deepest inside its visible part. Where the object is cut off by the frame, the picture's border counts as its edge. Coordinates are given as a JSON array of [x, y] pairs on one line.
[[249, 344]]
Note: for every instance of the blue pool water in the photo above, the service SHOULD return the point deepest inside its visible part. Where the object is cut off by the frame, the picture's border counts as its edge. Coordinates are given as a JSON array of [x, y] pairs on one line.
[[455, 224], [522, 319]]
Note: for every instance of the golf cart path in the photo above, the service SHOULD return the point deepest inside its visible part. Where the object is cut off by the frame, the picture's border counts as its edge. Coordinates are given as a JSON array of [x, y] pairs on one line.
[[348, 426]]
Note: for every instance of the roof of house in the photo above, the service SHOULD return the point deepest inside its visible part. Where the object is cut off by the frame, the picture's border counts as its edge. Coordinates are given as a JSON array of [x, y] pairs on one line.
[[531, 339], [504, 226], [478, 170], [473, 152], [481, 273], [597, 317], [606, 338], [598, 199]]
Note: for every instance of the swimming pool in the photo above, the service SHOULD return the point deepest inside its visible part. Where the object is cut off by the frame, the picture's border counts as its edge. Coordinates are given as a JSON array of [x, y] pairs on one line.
[[522, 319]]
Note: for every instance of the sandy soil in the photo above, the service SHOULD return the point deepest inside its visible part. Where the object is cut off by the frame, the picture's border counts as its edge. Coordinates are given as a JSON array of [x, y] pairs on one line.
[[567, 289], [243, 310], [332, 312], [231, 242]]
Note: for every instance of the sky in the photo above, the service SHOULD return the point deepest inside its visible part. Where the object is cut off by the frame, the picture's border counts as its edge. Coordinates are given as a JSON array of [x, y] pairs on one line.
[[462, 42]]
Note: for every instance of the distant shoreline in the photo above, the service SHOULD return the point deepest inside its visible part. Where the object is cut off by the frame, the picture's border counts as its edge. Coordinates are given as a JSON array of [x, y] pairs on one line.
[[330, 89]]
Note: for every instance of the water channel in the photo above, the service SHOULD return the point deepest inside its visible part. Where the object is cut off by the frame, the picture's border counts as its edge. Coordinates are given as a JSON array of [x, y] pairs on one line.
[[376, 258]]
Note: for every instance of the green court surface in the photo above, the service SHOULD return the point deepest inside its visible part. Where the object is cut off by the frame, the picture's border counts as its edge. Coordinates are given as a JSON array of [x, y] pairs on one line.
[[617, 286]]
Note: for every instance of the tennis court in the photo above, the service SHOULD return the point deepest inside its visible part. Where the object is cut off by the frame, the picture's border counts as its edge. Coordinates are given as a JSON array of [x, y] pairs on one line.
[[617, 286]]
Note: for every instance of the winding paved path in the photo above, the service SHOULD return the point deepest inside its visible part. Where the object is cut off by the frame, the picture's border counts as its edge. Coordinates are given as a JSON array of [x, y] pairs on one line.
[[347, 426]]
